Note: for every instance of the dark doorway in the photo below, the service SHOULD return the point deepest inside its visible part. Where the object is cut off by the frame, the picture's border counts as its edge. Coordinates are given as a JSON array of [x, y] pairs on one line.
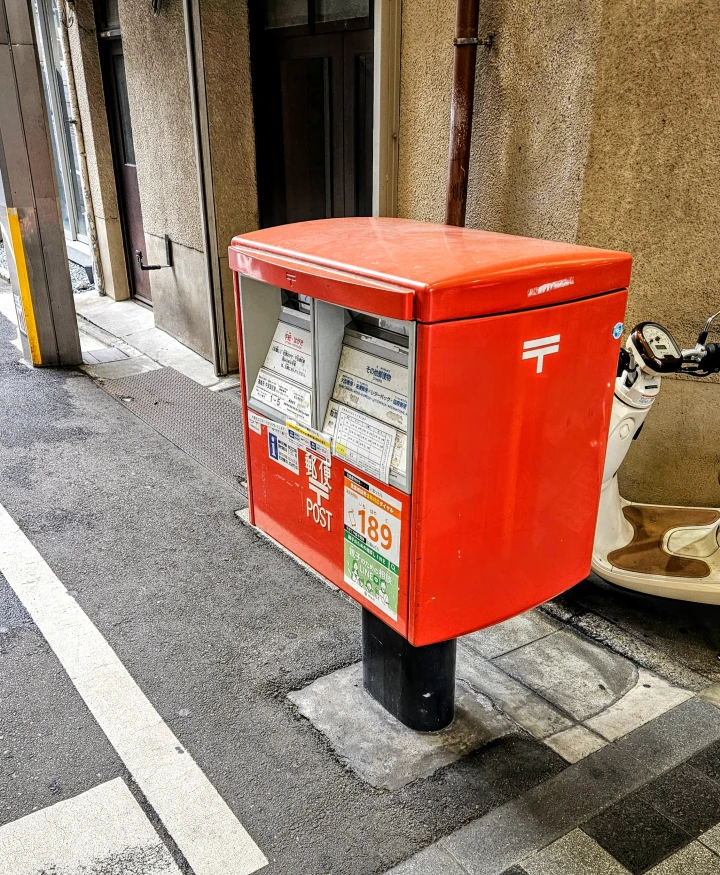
[[312, 66], [123, 149]]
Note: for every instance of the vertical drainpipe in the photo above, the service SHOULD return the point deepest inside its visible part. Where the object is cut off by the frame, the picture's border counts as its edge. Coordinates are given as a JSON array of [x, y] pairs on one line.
[[461, 111], [201, 137]]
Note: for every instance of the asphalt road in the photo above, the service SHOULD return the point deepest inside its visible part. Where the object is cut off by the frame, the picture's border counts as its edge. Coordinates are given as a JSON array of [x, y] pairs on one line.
[[215, 626]]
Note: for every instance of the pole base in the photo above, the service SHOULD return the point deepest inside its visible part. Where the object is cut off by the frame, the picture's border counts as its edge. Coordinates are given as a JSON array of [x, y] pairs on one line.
[[415, 684]]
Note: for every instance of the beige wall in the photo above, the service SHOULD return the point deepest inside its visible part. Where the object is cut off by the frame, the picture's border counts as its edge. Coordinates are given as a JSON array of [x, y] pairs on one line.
[[426, 56], [651, 187], [226, 46], [596, 121], [532, 120], [159, 96]]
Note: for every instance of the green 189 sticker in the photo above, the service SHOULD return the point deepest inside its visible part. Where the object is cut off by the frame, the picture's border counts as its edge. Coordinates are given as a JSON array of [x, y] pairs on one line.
[[372, 543]]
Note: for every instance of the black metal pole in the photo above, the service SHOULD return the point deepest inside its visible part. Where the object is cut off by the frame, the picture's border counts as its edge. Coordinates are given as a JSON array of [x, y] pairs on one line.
[[415, 684]]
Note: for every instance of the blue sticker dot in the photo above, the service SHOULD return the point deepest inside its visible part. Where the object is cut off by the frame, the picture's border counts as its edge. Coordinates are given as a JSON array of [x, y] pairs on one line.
[[617, 330]]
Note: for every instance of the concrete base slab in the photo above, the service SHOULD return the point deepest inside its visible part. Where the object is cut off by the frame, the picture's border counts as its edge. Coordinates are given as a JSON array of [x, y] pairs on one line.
[[376, 746]]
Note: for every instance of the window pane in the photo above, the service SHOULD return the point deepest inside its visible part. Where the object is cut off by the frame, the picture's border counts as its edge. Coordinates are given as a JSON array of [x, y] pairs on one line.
[[338, 10], [305, 87], [363, 134], [123, 110], [286, 13], [108, 14]]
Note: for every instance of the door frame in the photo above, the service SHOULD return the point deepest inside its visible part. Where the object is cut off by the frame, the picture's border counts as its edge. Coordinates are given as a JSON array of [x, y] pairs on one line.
[[386, 106], [109, 41]]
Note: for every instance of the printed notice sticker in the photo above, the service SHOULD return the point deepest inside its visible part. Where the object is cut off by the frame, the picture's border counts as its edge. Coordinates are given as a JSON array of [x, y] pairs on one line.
[[281, 449], [364, 442], [294, 402], [309, 439], [290, 354], [397, 462], [372, 524], [255, 422], [374, 386]]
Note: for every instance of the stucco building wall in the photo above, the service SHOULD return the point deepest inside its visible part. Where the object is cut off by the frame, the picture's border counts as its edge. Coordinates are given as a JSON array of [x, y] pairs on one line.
[[226, 47], [650, 187], [159, 97], [160, 107], [597, 122]]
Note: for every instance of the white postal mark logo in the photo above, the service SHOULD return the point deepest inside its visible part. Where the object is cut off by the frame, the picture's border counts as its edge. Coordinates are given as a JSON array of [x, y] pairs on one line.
[[318, 473], [538, 349]]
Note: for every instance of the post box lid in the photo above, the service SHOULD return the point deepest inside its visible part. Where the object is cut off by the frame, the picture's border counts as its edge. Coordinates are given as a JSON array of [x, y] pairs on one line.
[[405, 269]]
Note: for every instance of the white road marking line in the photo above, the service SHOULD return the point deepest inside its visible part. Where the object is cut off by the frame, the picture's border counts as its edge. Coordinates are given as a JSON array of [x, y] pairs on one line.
[[102, 830], [212, 839]]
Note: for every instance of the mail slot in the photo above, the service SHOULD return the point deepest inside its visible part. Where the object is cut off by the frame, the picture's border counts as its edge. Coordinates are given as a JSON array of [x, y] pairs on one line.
[[426, 410]]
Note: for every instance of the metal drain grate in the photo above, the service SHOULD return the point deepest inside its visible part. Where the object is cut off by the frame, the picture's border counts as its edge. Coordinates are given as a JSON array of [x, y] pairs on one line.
[[204, 424]]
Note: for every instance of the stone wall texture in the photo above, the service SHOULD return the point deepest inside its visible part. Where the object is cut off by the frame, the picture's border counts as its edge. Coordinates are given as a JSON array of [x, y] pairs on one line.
[[597, 122]]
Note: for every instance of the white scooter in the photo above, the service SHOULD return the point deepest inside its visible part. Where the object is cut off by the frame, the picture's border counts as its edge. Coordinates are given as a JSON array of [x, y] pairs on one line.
[[657, 549]]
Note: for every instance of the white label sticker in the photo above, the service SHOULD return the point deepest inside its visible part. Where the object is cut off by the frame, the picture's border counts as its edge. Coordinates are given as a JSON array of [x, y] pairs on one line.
[[399, 456], [290, 354], [364, 442], [255, 422], [372, 524], [294, 402], [281, 450], [373, 385]]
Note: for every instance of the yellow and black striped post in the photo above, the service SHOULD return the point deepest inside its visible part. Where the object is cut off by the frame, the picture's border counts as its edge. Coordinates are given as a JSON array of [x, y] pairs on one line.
[[30, 215]]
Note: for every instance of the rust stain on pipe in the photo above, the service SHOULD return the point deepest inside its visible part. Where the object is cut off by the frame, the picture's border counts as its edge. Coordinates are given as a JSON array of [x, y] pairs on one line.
[[461, 112]]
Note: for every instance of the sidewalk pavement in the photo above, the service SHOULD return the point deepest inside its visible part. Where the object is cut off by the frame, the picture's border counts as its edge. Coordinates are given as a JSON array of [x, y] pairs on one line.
[[127, 580]]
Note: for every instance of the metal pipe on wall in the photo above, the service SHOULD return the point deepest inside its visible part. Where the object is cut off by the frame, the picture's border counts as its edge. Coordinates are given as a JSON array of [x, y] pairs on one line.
[[461, 110], [201, 137]]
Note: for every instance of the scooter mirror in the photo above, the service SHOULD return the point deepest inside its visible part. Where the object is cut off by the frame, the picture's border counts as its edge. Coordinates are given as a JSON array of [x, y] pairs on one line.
[[703, 336]]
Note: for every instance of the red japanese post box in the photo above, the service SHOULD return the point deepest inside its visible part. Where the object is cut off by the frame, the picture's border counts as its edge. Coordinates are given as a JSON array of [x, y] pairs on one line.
[[426, 410]]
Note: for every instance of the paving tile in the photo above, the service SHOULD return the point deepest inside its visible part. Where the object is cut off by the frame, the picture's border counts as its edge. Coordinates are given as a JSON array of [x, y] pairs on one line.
[[686, 797], [636, 834], [431, 861], [109, 354], [526, 708], [576, 675], [493, 775], [711, 838], [117, 317], [649, 698], [506, 835], [693, 859], [513, 633], [378, 747], [575, 744], [673, 737], [574, 854], [707, 761], [117, 370], [711, 694]]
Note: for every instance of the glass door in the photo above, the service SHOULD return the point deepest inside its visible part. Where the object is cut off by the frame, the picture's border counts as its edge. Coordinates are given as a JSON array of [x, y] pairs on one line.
[[313, 99], [48, 22]]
